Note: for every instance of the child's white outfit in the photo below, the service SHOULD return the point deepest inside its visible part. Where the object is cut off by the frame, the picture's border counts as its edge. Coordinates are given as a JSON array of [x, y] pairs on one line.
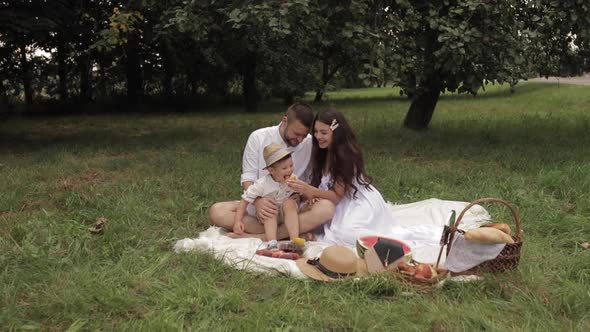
[[266, 186]]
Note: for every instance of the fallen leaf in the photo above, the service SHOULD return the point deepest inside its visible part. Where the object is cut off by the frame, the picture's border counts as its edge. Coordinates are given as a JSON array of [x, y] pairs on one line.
[[99, 226], [586, 245]]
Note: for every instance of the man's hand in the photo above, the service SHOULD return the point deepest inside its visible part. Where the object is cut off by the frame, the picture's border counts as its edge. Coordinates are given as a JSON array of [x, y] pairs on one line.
[[239, 227], [265, 208]]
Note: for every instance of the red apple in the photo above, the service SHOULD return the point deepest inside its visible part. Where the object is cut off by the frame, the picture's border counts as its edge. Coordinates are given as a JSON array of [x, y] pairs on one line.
[[423, 271], [405, 267]]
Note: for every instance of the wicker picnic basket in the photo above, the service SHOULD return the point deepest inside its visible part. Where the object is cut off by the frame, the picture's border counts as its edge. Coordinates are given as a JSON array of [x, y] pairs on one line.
[[508, 258]]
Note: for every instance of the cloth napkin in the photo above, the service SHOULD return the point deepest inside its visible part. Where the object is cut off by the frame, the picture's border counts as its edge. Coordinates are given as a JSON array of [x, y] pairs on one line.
[[467, 254]]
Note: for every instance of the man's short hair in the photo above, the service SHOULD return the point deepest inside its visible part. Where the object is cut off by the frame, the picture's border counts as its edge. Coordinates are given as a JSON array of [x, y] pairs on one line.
[[301, 112]]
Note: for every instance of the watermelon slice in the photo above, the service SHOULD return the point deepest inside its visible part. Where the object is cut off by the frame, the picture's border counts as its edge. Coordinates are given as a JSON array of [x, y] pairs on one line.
[[365, 242]]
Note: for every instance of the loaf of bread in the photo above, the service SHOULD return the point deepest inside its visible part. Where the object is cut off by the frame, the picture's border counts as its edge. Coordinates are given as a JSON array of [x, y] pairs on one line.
[[488, 235], [501, 226]]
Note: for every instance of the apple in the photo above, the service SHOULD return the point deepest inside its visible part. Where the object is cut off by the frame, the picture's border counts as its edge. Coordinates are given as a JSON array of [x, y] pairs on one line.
[[405, 267], [424, 271], [433, 270]]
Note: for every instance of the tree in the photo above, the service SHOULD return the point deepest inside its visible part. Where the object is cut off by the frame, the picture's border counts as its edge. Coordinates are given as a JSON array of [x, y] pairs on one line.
[[8, 65], [341, 34], [560, 36], [24, 23], [452, 45]]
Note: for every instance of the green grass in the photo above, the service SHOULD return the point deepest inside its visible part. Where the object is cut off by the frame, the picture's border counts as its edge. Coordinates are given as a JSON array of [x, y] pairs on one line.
[[154, 176]]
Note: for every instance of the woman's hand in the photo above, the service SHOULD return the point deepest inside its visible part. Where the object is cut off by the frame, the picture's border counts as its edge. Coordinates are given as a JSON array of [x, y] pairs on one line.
[[302, 188]]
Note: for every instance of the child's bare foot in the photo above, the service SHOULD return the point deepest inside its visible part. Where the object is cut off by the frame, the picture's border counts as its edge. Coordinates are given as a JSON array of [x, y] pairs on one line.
[[309, 236]]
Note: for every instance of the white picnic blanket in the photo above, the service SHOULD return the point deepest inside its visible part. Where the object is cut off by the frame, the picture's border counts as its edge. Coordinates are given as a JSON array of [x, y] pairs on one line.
[[419, 224]]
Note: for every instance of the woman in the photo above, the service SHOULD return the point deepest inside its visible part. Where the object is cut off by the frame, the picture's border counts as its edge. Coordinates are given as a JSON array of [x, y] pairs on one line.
[[338, 174]]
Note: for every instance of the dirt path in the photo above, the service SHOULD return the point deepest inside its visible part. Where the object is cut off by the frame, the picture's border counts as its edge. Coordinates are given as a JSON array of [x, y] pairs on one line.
[[580, 80]]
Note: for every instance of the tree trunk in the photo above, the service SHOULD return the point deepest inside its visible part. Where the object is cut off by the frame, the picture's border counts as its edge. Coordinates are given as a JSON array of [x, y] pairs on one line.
[[325, 73], [193, 85], [288, 97], [4, 104], [26, 75], [422, 107], [326, 77], [133, 66], [249, 83], [85, 77], [102, 87], [61, 67], [318, 96], [169, 68], [424, 92]]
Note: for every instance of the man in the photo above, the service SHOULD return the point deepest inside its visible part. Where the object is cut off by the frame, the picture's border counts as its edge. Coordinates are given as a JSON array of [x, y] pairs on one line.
[[293, 134]]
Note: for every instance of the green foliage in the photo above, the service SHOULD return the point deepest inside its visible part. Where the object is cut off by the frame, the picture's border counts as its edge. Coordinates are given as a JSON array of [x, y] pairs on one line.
[[560, 36], [455, 45], [214, 49], [121, 24]]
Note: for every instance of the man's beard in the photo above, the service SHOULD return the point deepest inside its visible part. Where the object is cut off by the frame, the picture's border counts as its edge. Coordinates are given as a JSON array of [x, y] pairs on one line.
[[289, 140]]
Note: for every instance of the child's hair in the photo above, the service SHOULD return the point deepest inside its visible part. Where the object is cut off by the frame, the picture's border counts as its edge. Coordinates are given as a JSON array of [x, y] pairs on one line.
[[346, 157]]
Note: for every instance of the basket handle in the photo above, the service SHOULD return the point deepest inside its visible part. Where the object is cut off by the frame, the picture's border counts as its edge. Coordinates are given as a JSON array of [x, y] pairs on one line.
[[518, 237]]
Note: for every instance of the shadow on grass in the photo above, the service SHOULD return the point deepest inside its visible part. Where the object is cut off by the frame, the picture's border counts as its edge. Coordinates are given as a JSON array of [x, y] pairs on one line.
[[542, 144], [502, 91], [541, 141], [101, 140], [335, 98]]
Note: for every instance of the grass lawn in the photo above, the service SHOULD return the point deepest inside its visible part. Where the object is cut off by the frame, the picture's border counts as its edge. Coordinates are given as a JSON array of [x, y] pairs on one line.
[[154, 176]]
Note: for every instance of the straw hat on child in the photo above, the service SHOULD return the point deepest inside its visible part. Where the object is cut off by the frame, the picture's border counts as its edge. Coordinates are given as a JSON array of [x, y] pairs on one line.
[[273, 153]]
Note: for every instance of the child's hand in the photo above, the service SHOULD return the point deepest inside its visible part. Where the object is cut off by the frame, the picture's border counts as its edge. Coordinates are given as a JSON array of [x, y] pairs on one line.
[[239, 227]]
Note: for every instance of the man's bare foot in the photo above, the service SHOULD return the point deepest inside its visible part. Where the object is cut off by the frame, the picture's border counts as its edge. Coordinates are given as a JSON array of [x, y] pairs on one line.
[[309, 236], [244, 235], [234, 235]]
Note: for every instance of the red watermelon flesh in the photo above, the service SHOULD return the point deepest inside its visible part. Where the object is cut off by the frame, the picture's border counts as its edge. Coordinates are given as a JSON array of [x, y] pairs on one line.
[[365, 242]]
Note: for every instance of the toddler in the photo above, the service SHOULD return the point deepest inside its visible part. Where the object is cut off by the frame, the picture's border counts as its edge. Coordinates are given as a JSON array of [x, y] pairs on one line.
[[279, 165]]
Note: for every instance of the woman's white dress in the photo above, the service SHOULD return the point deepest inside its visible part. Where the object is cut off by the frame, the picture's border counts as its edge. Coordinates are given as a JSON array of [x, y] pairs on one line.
[[420, 224], [367, 214]]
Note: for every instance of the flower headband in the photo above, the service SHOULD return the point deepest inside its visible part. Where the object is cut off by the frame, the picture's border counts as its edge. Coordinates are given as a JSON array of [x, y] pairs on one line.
[[334, 124]]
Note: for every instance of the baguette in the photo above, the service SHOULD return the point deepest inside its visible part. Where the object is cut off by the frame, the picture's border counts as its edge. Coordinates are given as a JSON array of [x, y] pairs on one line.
[[488, 235], [501, 226]]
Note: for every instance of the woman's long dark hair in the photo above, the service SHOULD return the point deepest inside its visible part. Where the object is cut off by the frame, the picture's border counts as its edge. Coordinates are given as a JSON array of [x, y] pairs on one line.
[[344, 154]]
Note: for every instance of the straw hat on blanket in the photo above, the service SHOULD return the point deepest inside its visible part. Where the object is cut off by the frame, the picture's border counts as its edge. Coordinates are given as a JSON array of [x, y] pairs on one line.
[[335, 263], [338, 262]]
